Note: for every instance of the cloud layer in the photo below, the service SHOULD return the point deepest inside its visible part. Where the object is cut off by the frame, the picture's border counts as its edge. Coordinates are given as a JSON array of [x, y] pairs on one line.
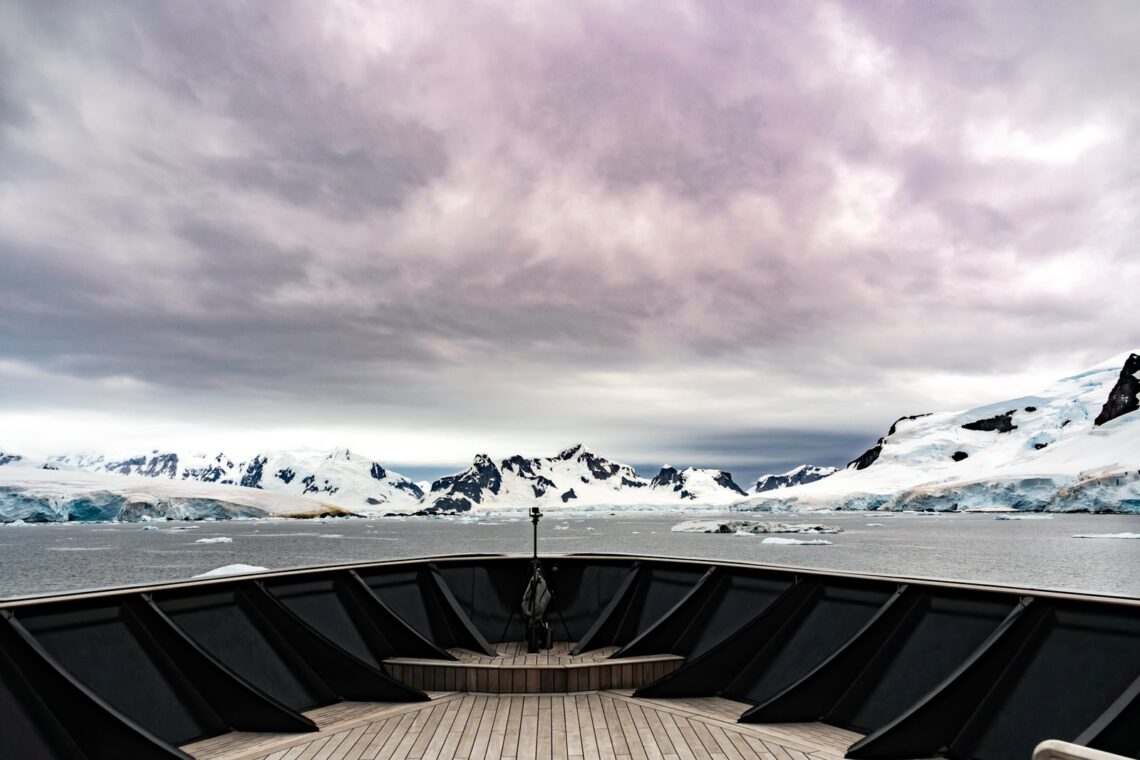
[[664, 228]]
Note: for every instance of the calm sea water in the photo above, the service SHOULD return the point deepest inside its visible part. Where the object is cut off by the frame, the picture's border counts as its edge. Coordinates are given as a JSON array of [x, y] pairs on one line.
[[41, 559]]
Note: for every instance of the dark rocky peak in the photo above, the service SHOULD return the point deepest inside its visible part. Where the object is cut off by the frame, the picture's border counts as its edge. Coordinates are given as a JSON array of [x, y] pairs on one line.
[[668, 477], [251, 478], [9, 458], [807, 473], [156, 465], [409, 487], [481, 476], [1124, 398], [868, 457], [600, 468], [377, 472], [569, 453], [520, 465], [895, 424], [569, 495], [724, 480], [1000, 423]]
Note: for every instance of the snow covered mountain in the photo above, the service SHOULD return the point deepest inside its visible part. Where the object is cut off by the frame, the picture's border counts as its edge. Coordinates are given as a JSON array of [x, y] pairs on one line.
[[797, 476], [574, 477], [1073, 446], [341, 477]]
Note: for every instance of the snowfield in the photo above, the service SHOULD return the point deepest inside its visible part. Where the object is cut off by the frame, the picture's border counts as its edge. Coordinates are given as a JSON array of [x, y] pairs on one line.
[[35, 495], [1074, 446], [1037, 452]]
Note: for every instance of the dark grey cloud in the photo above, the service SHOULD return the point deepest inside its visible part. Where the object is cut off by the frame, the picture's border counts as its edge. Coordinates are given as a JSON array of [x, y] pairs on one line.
[[564, 223]]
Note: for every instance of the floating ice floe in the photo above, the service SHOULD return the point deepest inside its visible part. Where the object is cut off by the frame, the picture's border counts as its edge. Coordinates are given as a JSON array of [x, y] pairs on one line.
[[797, 541], [874, 525], [216, 540], [561, 527], [236, 569], [1107, 535], [1023, 517], [749, 527]]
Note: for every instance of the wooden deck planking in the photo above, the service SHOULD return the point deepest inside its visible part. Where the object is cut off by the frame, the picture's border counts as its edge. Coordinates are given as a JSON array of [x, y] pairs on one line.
[[600, 725]]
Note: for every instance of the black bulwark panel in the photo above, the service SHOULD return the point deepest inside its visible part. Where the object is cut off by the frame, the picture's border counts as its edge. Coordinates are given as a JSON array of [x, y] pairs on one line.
[[318, 603], [229, 629], [29, 729], [422, 598], [92, 725], [915, 641], [720, 604], [941, 631], [491, 594], [822, 625], [653, 590], [1075, 666], [99, 645]]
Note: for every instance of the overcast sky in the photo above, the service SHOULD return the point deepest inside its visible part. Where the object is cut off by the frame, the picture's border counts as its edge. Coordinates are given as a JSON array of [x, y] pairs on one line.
[[721, 233]]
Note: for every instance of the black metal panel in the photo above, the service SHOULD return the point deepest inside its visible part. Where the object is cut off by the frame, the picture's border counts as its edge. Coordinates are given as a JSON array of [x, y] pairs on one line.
[[717, 607], [814, 694], [318, 603], [661, 636], [349, 677], [421, 597], [582, 590], [92, 724], [391, 635], [1118, 729], [945, 627], [29, 729], [655, 590], [222, 624], [1080, 662], [461, 630], [930, 725], [711, 672], [242, 705], [118, 660], [490, 595], [602, 630], [827, 621]]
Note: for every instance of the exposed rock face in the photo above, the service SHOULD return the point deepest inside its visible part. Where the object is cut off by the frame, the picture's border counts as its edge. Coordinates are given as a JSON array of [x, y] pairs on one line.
[[155, 466], [286, 475], [724, 480], [668, 477], [569, 495], [377, 472], [482, 474], [9, 458], [895, 424], [805, 473], [868, 457], [958, 456], [1000, 423], [1124, 397], [253, 473]]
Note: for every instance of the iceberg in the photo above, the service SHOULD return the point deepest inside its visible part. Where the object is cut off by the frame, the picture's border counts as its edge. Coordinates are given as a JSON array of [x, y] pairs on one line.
[[216, 540], [235, 569]]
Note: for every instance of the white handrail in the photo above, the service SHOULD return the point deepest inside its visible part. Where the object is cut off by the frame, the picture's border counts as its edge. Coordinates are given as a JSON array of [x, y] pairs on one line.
[[1058, 750]]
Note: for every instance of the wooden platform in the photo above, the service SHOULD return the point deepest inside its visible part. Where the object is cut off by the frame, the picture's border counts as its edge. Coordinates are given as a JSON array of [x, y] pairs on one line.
[[514, 671], [598, 724]]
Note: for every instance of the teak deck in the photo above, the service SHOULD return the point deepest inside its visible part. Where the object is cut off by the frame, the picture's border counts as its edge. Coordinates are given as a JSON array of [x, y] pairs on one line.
[[548, 705], [516, 672], [597, 724]]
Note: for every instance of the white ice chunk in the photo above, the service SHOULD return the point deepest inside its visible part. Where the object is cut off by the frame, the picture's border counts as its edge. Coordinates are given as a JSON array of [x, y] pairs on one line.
[[216, 540], [236, 569], [1107, 535], [798, 541]]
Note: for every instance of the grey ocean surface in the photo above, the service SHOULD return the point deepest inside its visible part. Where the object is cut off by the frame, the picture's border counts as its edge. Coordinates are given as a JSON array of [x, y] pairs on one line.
[[1035, 553]]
